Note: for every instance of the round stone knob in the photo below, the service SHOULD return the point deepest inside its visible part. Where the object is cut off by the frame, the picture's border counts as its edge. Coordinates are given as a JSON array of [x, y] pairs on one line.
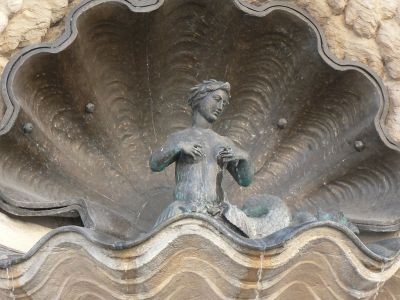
[[282, 123], [89, 108], [27, 128], [359, 146]]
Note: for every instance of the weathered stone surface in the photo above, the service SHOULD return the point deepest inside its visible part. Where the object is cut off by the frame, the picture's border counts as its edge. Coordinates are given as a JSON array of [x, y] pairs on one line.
[[363, 16], [320, 10], [388, 8], [359, 49], [394, 94], [389, 44], [337, 6], [7, 8], [30, 25]]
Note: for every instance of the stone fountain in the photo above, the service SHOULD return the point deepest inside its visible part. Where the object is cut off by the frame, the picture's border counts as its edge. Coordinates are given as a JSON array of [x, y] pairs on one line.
[[313, 213]]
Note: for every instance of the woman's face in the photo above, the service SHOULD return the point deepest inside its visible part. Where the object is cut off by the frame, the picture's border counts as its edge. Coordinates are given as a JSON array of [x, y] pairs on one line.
[[212, 106]]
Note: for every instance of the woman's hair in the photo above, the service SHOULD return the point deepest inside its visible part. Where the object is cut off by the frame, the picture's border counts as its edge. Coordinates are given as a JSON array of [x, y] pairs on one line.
[[201, 90]]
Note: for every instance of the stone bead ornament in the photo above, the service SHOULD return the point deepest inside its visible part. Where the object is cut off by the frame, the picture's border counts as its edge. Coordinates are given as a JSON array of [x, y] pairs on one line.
[[312, 125]]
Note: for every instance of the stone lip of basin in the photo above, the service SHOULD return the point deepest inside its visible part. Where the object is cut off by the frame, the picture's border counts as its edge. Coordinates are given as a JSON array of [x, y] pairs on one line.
[[276, 241], [69, 162]]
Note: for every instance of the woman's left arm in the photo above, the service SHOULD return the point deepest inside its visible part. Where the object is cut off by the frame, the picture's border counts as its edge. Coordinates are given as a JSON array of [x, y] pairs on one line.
[[241, 167]]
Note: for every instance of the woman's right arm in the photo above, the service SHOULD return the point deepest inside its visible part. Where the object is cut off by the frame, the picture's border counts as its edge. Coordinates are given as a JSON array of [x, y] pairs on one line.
[[170, 152], [164, 156]]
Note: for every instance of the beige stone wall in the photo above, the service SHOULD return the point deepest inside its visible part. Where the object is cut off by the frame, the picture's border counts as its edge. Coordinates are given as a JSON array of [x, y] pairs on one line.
[[367, 31]]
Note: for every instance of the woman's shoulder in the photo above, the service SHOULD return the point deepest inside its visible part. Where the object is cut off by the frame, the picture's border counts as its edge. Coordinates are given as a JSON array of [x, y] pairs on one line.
[[181, 134]]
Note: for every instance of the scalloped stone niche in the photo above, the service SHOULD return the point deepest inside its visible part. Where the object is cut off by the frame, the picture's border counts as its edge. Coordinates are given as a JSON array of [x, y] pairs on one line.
[[136, 68], [134, 63]]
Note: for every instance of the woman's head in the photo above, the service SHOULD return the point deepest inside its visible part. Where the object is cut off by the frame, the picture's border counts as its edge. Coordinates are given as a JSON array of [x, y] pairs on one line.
[[209, 98]]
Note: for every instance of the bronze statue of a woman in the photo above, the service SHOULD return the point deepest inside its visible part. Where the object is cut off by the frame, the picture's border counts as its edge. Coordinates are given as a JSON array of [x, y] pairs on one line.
[[201, 155]]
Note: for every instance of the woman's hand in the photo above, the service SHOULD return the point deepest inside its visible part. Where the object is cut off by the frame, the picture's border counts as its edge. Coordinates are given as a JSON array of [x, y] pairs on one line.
[[225, 155], [191, 149]]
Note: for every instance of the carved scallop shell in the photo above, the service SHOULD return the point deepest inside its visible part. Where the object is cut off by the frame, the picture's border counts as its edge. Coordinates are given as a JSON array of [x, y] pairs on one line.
[[136, 68]]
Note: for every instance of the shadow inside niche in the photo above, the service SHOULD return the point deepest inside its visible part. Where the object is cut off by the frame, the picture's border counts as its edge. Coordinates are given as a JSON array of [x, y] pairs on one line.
[[51, 222], [45, 217]]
